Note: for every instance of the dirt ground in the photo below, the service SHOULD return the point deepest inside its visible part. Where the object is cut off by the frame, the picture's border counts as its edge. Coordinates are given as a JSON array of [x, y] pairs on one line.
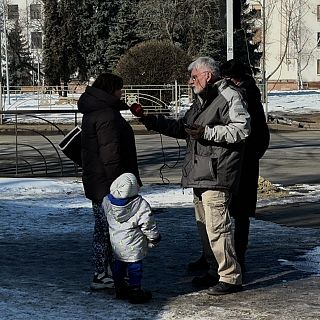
[[284, 121]]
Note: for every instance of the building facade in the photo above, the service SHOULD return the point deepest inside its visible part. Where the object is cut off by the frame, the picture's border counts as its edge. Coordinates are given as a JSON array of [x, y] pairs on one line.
[[29, 15], [291, 41]]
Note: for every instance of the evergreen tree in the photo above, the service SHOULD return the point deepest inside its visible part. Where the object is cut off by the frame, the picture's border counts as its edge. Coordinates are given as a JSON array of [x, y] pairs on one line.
[[123, 35], [98, 19], [71, 57], [244, 47], [52, 55], [213, 44], [86, 42], [19, 58]]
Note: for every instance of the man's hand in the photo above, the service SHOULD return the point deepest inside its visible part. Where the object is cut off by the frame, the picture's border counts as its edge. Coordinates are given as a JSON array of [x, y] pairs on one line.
[[150, 121], [195, 132]]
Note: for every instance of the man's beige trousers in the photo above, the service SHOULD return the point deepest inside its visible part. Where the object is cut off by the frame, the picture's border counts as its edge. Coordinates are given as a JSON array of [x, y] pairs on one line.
[[214, 224]]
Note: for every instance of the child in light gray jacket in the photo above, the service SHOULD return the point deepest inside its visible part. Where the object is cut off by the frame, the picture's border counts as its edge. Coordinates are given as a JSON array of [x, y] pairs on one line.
[[132, 230]]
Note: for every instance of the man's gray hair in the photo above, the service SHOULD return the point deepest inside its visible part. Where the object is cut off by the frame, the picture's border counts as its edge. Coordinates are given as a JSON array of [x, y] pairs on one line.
[[206, 63]]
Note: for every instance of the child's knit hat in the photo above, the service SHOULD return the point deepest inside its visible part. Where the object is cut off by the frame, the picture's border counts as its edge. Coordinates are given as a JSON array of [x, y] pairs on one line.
[[125, 186]]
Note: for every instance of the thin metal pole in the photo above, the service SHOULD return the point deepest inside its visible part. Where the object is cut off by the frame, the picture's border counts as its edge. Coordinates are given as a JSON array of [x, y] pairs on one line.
[[264, 79], [16, 134], [176, 97], [5, 8], [1, 105], [229, 15]]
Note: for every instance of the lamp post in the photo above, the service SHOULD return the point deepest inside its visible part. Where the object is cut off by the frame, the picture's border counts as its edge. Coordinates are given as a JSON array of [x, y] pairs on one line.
[[264, 79], [229, 16], [1, 29], [5, 36]]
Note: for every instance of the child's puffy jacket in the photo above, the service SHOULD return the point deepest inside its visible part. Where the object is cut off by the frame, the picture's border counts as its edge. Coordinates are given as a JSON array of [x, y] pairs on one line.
[[131, 227]]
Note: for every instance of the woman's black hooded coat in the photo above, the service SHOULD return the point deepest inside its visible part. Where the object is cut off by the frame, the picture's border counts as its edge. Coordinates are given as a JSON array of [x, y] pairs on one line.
[[107, 142]]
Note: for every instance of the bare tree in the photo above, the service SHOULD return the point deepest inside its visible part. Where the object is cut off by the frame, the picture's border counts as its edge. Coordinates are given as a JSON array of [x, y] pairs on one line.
[[182, 22], [301, 37], [295, 37]]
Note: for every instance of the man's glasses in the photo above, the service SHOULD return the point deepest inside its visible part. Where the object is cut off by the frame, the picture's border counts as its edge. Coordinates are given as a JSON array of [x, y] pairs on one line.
[[195, 77]]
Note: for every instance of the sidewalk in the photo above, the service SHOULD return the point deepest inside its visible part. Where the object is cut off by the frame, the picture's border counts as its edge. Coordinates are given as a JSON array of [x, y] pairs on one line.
[[45, 274]]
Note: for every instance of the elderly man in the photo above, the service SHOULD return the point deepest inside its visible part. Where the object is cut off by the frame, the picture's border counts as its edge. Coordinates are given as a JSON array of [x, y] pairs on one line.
[[215, 127]]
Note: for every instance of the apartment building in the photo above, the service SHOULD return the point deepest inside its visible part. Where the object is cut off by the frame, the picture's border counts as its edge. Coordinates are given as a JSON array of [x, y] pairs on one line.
[[29, 14], [292, 42]]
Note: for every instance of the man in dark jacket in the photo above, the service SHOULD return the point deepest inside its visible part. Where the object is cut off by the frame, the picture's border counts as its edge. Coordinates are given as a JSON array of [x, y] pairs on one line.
[[108, 150], [215, 127]]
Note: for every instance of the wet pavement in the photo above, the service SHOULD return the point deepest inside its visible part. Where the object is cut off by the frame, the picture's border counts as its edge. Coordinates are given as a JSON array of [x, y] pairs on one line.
[[46, 270]]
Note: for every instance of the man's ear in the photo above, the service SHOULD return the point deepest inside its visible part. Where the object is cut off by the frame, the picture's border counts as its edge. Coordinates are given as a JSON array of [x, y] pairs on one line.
[[209, 77]]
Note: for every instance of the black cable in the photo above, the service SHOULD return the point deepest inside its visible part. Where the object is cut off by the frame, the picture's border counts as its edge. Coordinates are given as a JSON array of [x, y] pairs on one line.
[[165, 165]]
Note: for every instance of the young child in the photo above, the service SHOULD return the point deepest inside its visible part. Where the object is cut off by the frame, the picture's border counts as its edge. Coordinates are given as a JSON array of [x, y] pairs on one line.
[[132, 230]]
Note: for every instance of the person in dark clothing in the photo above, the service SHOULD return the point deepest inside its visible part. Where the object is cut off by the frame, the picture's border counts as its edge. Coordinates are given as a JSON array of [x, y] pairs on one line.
[[107, 150], [214, 127], [243, 204]]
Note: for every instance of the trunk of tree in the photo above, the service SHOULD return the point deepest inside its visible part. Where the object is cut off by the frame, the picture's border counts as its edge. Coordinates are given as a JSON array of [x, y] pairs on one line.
[[65, 88], [299, 73]]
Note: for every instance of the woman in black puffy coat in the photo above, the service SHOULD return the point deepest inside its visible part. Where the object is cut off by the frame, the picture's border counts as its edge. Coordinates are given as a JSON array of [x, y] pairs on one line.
[[107, 150]]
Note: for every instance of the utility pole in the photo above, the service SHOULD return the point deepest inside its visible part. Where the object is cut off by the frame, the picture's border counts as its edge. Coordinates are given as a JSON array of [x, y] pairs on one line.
[[229, 16], [264, 79], [5, 36], [1, 105], [1, 71]]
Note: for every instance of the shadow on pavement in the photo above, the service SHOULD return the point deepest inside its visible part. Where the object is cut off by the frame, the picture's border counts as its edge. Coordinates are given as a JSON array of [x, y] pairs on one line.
[[48, 260]]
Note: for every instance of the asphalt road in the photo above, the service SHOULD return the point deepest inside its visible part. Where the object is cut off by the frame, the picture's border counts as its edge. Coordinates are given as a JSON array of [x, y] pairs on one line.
[[292, 157]]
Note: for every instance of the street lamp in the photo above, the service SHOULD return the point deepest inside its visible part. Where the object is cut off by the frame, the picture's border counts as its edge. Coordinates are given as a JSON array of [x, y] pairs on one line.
[[264, 79], [5, 38], [229, 16]]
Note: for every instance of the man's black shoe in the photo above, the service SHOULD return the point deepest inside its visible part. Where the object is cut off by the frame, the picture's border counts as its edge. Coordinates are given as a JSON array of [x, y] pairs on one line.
[[204, 281], [199, 265], [224, 288]]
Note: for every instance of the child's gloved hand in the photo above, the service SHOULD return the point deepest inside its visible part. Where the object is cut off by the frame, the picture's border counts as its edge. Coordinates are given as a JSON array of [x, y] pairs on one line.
[[152, 243]]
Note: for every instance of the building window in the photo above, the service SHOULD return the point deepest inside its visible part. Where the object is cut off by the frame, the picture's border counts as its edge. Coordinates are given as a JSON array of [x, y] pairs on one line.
[[35, 11], [318, 66], [318, 13], [318, 39], [13, 11], [36, 40]]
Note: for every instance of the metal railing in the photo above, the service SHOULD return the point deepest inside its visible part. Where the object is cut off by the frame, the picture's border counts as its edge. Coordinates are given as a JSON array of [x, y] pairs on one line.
[[155, 98], [29, 143], [37, 118]]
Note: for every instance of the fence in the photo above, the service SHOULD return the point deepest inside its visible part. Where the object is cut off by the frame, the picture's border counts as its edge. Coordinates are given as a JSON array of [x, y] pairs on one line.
[[29, 143], [156, 99], [37, 118]]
